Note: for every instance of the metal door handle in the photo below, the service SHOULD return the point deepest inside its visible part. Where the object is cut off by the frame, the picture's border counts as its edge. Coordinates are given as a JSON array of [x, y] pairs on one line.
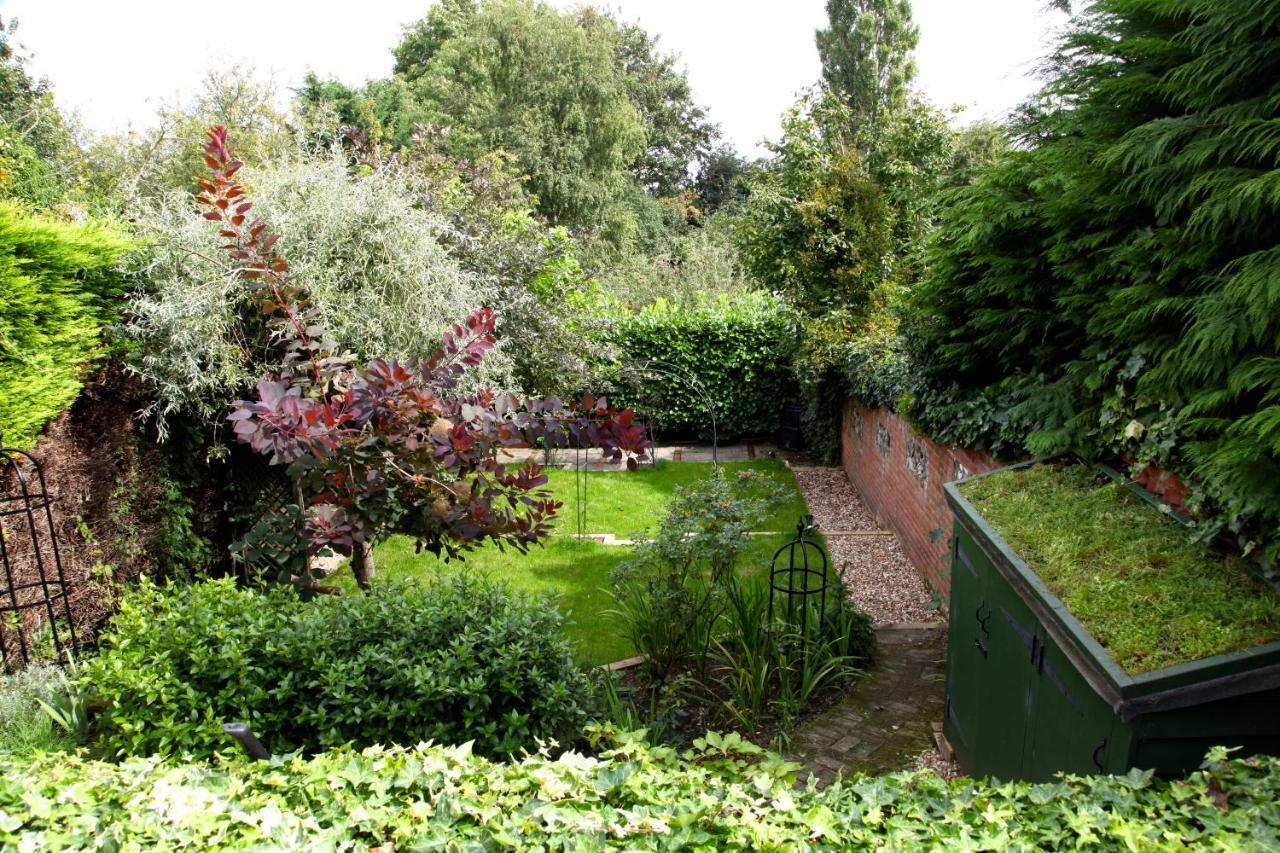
[[1097, 749], [981, 647]]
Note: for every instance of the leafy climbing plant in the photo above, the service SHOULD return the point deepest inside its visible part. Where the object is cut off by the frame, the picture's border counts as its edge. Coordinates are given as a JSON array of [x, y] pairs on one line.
[[392, 445]]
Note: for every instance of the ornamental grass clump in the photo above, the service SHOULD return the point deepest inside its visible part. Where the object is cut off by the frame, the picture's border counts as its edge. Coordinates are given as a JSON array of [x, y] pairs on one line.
[[1149, 594]]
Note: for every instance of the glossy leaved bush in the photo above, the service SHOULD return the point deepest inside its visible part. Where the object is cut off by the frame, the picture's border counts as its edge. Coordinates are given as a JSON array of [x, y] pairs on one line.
[[722, 794], [461, 660], [680, 363]]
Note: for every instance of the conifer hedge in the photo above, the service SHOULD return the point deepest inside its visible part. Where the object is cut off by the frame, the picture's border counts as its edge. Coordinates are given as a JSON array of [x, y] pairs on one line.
[[60, 286], [1113, 284]]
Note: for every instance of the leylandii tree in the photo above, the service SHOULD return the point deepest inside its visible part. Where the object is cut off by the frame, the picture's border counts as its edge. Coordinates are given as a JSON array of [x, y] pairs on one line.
[[389, 445]]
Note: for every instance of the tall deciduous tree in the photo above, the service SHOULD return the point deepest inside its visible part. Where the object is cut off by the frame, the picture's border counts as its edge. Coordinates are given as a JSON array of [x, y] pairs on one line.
[[677, 130], [525, 78], [866, 54], [35, 141]]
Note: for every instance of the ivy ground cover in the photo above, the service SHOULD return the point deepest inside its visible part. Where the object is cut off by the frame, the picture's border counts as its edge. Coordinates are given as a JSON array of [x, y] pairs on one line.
[[626, 504], [722, 794]]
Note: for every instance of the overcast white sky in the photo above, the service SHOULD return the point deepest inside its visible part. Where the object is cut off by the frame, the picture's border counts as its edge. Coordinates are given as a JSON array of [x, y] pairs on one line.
[[112, 60]]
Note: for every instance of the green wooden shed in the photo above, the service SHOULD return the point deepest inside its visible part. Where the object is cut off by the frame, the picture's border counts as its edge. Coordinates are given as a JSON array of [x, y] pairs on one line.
[[1030, 692]]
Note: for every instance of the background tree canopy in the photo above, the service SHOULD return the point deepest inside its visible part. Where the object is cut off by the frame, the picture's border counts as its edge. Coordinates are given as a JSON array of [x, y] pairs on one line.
[[600, 121], [866, 53]]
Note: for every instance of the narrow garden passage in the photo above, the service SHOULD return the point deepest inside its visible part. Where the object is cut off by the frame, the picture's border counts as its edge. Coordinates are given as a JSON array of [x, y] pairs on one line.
[[885, 722]]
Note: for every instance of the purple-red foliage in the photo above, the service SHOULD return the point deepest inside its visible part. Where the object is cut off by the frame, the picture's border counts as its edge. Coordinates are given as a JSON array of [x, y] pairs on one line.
[[392, 446]]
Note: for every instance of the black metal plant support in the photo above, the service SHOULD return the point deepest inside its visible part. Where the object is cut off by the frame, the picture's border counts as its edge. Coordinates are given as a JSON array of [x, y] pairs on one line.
[[33, 576], [579, 489], [671, 371], [804, 575]]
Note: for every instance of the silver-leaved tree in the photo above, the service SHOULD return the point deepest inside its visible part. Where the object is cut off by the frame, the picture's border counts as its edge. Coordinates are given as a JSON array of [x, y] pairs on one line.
[[388, 446]]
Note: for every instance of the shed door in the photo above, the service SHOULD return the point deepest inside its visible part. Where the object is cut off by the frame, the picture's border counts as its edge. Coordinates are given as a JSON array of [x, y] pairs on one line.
[[1071, 728], [968, 650]]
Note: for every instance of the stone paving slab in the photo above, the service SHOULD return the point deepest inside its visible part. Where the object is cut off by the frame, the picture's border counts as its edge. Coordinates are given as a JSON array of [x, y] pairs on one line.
[[592, 460], [886, 719]]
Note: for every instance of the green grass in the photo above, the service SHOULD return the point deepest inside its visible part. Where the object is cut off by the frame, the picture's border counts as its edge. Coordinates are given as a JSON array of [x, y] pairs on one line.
[[577, 573], [630, 503], [1149, 594]]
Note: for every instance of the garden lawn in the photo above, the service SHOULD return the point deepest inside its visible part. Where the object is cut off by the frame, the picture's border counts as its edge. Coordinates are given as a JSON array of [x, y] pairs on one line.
[[624, 503]]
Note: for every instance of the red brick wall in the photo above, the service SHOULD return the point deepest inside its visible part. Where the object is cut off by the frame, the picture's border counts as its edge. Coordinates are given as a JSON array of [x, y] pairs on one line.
[[900, 473]]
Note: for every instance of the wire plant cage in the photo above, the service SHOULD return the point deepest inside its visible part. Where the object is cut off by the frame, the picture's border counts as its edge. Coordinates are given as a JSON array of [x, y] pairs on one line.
[[35, 608], [798, 574]]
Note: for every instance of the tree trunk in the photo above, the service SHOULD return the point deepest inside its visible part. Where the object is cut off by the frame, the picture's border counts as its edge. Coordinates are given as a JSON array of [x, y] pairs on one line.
[[362, 564]]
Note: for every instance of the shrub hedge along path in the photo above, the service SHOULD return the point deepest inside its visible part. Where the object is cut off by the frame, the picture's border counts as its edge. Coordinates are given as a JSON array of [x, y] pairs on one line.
[[886, 720]]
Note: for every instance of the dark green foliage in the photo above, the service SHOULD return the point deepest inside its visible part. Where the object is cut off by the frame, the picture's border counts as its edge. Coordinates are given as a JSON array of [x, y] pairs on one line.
[[152, 522], [525, 78], [724, 794], [462, 660], [61, 288], [836, 220], [595, 116], [1114, 283], [722, 180], [736, 351], [677, 132]]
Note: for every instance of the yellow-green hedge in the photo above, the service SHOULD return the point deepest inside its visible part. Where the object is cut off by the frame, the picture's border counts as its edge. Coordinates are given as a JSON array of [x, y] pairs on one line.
[[59, 286]]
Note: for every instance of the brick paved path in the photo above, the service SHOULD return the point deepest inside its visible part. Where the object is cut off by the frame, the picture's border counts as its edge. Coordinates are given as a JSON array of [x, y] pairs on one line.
[[887, 718]]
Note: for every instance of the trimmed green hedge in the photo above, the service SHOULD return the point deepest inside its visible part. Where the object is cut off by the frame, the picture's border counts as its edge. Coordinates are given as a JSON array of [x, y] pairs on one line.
[[462, 660], [60, 286], [723, 794], [737, 350]]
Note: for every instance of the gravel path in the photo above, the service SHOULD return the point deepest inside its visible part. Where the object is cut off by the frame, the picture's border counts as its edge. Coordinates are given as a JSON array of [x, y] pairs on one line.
[[933, 762], [879, 576]]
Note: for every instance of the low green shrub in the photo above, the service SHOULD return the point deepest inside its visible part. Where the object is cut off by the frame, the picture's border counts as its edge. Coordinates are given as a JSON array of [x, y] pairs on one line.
[[61, 287], [679, 362], [722, 794], [462, 660]]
